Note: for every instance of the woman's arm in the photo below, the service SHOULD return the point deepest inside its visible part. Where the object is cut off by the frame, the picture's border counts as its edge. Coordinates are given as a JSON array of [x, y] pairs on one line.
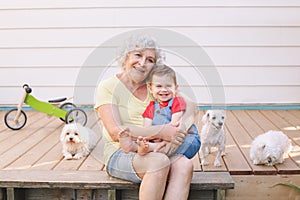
[[188, 117], [147, 122], [111, 120]]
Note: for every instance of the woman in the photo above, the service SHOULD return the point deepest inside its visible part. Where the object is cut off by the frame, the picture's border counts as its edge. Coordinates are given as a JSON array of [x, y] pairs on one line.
[[120, 103]]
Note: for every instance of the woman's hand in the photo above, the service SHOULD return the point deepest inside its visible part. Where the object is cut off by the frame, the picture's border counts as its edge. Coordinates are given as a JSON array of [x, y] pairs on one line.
[[177, 140]]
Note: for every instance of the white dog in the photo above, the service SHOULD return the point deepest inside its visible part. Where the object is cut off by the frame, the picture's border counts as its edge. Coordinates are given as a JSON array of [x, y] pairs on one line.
[[270, 148], [77, 141], [213, 135]]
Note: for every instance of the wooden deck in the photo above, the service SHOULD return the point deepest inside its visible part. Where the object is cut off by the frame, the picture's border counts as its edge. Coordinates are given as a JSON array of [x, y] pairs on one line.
[[36, 147]]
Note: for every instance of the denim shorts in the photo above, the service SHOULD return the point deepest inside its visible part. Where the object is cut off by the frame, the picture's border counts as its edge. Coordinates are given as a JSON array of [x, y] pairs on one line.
[[191, 145], [120, 166], [120, 163]]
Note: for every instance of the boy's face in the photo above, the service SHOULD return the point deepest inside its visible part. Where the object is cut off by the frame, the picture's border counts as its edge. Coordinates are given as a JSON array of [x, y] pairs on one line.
[[163, 88]]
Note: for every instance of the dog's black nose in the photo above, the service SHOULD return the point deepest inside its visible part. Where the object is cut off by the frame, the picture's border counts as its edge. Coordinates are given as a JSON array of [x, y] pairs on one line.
[[269, 160], [71, 139], [220, 123]]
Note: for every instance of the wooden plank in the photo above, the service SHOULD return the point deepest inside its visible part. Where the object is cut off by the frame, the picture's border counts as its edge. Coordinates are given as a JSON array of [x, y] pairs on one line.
[[36, 135], [10, 138], [53, 193], [211, 159], [94, 161], [244, 142], [258, 117], [268, 120], [211, 180], [28, 159], [69, 165], [4, 133], [251, 127], [61, 179], [295, 113], [50, 159], [99, 180], [196, 162], [234, 159]]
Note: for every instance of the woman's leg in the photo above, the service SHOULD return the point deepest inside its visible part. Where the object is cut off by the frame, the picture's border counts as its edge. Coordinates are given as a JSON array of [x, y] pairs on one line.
[[180, 177], [153, 168]]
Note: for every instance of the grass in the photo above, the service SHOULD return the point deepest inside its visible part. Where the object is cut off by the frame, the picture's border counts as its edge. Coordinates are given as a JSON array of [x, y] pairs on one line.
[[288, 185]]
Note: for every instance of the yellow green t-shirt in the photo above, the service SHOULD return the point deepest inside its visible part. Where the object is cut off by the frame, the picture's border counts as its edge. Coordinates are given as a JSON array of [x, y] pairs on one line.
[[113, 91]]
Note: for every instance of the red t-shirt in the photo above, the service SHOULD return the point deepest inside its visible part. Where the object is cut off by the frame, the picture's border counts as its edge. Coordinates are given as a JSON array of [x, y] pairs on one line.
[[177, 106]]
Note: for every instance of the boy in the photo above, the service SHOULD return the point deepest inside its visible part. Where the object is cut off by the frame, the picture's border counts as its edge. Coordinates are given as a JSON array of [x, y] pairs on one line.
[[166, 108]]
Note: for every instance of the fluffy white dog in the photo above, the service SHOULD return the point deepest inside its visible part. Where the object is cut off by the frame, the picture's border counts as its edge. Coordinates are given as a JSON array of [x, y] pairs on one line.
[[77, 141], [270, 148], [213, 135]]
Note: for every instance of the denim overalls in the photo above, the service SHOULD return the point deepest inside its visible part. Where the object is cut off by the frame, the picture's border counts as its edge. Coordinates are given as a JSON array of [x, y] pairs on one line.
[[191, 144]]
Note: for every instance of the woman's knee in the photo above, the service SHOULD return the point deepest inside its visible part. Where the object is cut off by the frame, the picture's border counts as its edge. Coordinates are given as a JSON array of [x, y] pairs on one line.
[[151, 162], [182, 163], [159, 160]]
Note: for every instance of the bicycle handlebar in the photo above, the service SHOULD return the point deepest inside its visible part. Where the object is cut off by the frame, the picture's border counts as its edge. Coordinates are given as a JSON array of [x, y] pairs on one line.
[[27, 88]]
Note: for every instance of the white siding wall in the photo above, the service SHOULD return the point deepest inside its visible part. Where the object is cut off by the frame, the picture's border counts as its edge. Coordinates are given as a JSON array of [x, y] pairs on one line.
[[255, 45]]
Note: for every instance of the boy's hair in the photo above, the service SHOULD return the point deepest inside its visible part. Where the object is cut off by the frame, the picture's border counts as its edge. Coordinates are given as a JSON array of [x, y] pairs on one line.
[[161, 70]]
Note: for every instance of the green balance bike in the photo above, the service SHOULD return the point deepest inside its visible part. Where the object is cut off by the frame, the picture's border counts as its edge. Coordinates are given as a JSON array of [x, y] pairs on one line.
[[16, 118]]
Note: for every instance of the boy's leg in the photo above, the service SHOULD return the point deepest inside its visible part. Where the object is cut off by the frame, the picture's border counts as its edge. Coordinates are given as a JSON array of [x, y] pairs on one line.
[[144, 146]]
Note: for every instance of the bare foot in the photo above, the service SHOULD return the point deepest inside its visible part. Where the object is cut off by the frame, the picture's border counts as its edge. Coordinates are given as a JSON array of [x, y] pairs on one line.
[[143, 146], [126, 143]]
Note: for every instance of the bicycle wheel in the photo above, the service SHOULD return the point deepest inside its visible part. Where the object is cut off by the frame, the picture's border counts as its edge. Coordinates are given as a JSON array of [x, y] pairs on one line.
[[76, 115], [10, 122], [67, 107]]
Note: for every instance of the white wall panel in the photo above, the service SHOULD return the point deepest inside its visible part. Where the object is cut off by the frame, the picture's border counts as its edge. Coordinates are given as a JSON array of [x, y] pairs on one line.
[[229, 56], [149, 16], [246, 95], [254, 45], [35, 4], [192, 76], [204, 36]]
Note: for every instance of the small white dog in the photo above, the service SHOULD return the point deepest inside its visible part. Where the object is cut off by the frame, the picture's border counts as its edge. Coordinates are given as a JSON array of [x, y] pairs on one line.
[[213, 135], [77, 141], [270, 148]]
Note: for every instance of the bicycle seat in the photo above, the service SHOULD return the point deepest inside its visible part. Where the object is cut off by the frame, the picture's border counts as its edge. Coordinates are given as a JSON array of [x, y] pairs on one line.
[[57, 100]]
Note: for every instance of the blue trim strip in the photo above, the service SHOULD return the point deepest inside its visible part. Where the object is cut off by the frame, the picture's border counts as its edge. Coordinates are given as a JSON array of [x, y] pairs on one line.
[[252, 107], [229, 107], [30, 108]]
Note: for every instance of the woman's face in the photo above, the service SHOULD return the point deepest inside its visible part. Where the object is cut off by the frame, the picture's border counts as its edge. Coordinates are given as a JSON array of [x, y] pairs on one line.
[[139, 63]]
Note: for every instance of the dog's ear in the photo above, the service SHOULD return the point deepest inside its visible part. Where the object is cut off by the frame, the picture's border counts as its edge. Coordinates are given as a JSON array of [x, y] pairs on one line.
[[262, 147], [206, 117], [83, 133]]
